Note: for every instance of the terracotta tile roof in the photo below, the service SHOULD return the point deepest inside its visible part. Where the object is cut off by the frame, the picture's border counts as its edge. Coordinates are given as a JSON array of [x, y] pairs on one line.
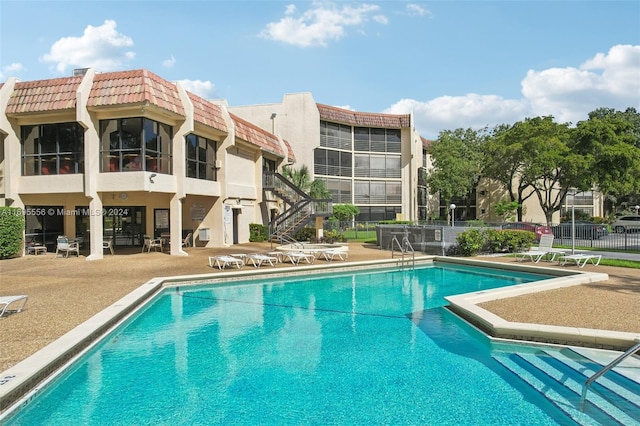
[[290, 154], [364, 119], [426, 143], [207, 113], [134, 87], [57, 94], [256, 136]]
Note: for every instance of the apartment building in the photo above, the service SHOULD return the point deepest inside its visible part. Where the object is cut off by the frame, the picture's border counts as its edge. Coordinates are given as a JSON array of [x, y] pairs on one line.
[[125, 154], [367, 159]]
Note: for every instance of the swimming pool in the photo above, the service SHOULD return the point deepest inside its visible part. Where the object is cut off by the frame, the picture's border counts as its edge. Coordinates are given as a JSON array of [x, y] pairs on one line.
[[373, 347]]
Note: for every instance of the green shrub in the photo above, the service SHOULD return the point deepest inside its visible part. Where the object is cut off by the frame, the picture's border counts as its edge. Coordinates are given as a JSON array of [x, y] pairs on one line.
[[475, 241], [305, 234], [11, 231], [519, 240], [258, 233], [470, 242]]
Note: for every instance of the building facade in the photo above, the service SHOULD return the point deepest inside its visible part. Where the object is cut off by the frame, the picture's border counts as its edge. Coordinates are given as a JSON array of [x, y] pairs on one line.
[[126, 154], [366, 159]]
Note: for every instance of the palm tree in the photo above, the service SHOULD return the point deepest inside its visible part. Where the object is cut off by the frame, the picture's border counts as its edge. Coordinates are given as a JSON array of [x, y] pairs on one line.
[[300, 177]]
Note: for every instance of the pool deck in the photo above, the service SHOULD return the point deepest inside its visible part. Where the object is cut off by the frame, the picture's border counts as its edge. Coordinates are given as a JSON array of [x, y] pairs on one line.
[[70, 298]]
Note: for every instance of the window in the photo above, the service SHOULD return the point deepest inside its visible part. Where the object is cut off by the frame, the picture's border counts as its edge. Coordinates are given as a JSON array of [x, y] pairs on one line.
[[377, 166], [378, 213], [44, 224], [134, 144], [377, 192], [201, 157], [51, 149], [331, 163], [269, 165], [377, 140], [334, 135], [340, 190]]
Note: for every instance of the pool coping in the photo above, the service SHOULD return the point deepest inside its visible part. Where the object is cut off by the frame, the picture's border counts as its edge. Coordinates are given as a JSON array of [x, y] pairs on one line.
[[25, 380], [466, 306]]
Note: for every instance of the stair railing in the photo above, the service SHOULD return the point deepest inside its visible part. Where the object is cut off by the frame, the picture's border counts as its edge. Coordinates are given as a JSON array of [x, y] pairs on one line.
[[590, 380]]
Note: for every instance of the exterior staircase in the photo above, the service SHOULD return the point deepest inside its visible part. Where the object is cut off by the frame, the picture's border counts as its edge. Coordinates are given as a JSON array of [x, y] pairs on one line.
[[300, 209], [559, 377]]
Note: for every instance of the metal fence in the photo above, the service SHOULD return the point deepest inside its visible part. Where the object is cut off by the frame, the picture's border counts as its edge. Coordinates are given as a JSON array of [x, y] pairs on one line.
[[437, 237]]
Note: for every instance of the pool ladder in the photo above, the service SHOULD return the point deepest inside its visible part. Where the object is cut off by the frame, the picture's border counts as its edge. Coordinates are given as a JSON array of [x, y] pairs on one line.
[[404, 248], [585, 387]]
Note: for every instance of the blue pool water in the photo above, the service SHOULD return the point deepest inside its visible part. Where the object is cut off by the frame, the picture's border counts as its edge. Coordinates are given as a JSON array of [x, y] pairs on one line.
[[350, 349]]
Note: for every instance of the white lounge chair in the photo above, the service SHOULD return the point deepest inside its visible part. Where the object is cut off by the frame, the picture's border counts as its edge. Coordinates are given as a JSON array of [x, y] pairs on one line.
[[64, 246], [580, 259], [257, 259], [295, 257], [332, 254], [544, 248], [222, 262], [5, 301]]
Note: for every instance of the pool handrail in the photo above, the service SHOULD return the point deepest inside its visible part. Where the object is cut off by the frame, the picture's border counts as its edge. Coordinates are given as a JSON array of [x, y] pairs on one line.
[[594, 377]]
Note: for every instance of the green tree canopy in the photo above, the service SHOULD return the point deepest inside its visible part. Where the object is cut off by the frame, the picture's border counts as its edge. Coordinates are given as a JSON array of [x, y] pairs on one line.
[[457, 162], [506, 154], [345, 212], [610, 143]]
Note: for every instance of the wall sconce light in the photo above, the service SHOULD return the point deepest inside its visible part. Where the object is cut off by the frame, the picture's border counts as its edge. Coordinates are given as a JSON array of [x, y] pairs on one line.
[[151, 177]]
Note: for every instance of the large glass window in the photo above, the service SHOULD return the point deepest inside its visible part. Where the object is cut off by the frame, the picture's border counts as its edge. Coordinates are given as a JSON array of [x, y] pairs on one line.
[[377, 140], [378, 213], [43, 225], [201, 157], [331, 163], [334, 135], [51, 149], [377, 192], [340, 190], [377, 166], [134, 144]]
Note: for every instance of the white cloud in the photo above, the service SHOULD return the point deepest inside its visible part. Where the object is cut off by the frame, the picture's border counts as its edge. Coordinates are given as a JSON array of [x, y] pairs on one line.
[[15, 67], [453, 112], [168, 63], [347, 107], [11, 70], [204, 89], [610, 80], [320, 24], [99, 47], [416, 10], [569, 94]]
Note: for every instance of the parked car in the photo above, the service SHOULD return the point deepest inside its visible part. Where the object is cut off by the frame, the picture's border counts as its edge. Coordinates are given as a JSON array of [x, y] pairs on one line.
[[628, 223], [584, 230], [536, 228]]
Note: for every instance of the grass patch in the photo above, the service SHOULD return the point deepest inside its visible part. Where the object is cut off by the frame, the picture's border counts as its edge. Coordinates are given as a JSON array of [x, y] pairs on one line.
[[620, 263]]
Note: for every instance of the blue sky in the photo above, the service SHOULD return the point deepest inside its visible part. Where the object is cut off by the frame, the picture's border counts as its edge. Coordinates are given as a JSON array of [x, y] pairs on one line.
[[454, 64]]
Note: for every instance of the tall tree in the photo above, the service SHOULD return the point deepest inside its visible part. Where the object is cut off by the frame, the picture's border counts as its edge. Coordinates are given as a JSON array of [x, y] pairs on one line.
[[552, 167], [457, 162], [610, 142], [506, 154]]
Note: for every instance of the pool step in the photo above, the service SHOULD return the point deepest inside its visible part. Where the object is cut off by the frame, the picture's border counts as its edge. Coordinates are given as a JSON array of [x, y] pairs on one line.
[[559, 377]]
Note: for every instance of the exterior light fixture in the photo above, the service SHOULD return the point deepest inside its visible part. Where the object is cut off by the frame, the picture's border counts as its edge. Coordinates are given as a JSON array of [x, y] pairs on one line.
[[452, 207], [573, 192]]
